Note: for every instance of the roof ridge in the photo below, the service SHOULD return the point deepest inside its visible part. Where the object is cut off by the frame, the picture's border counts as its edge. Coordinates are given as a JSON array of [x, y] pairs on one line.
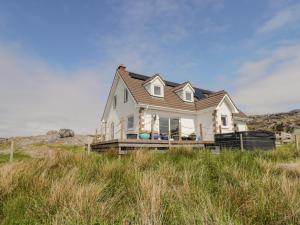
[[217, 93]]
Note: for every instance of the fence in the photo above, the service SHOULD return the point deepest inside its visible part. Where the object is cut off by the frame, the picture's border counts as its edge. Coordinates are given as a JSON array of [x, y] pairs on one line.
[[248, 140]]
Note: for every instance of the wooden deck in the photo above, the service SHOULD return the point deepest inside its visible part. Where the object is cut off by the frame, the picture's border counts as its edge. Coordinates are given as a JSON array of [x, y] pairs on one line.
[[128, 144]]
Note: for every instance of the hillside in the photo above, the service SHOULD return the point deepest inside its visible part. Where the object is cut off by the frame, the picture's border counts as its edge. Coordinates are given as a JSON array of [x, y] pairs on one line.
[[276, 121], [180, 186]]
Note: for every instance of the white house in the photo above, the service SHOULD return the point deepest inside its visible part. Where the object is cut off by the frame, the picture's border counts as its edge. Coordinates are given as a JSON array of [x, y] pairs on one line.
[[141, 104]]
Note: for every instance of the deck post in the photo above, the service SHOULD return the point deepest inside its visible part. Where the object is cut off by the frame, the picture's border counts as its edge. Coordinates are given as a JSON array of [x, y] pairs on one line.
[[152, 127], [96, 135], [122, 128], [179, 130], [105, 124], [169, 134], [241, 142], [89, 148], [201, 132]]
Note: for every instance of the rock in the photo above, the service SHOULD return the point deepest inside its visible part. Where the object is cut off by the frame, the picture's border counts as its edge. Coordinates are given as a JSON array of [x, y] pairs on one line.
[[52, 132], [64, 133], [276, 122]]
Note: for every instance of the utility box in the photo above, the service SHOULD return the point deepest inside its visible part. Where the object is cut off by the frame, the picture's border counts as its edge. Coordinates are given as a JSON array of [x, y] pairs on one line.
[[246, 140]]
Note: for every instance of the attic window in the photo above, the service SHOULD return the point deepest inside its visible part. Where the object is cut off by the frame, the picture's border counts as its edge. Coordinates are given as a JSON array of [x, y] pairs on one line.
[[188, 96], [125, 95], [157, 90]]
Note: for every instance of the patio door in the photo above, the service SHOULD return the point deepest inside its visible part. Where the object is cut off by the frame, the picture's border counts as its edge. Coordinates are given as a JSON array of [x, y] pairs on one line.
[[169, 124], [164, 126], [174, 128]]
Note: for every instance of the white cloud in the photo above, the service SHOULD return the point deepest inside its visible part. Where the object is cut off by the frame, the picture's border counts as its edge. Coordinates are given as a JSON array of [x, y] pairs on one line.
[[284, 17], [270, 84], [36, 97]]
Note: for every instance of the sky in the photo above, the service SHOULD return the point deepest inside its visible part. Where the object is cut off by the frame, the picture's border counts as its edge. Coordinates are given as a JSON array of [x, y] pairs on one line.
[[58, 58]]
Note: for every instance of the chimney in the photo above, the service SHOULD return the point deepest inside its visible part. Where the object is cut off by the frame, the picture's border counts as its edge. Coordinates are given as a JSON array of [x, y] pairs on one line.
[[121, 67]]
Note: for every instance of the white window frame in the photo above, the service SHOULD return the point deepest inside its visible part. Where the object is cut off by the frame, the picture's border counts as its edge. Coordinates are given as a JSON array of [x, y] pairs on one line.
[[128, 117], [188, 92], [160, 87], [125, 95], [226, 120]]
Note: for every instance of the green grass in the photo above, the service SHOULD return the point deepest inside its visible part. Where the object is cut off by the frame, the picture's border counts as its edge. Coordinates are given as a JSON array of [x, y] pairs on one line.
[[181, 186], [18, 155]]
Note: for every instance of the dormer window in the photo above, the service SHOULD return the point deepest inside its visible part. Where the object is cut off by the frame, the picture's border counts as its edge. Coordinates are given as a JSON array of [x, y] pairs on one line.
[[155, 86], [185, 91], [157, 90]]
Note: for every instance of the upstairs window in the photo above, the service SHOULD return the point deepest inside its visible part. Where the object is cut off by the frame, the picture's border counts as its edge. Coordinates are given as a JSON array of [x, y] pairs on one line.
[[130, 122], [188, 96], [115, 102], [157, 90], [125, 95], [224, 120]]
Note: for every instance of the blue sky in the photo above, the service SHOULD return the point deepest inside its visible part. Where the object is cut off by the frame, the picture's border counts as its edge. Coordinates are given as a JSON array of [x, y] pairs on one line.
[[59, 57]]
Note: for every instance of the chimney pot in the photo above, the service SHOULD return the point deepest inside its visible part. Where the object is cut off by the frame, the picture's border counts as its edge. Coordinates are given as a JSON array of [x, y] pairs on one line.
[[121, 67]]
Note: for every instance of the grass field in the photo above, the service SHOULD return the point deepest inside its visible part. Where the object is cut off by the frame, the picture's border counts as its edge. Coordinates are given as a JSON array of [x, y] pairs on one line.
[[147, 187]]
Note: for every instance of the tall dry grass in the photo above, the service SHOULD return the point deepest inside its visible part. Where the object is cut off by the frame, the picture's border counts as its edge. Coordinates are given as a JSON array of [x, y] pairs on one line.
[[181, 186]]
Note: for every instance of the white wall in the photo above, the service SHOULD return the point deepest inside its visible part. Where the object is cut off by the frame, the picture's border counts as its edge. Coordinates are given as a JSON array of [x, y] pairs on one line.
[[241, 125], [123, 110], [225, 109], [206, 119]]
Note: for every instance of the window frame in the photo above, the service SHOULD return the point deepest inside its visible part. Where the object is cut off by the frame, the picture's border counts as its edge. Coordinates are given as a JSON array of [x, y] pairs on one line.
[[160, 88], [226, 120], [191, 94], [125, 95], [127, 122]]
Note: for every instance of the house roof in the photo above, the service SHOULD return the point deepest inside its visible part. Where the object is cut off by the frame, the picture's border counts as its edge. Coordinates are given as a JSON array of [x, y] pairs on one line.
[[180, 86], [203, 98], [211, 100]]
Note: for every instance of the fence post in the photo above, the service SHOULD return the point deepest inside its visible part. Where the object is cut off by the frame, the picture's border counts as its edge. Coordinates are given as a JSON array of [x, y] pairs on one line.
[[11, 151], [297, 143], [241, 142], [89, 148]]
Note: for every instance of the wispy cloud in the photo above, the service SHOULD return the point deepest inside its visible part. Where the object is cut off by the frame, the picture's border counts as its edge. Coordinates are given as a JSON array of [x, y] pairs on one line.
[[281, 18], [270, 83], [36, 97]]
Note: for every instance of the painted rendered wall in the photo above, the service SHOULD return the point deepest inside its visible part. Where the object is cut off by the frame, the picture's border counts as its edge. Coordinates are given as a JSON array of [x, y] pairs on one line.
[[241, 125], [122, 110], [225, 109], [206, 119]]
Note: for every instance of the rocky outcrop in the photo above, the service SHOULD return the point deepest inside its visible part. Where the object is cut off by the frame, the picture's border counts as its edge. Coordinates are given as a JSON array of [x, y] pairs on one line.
[[276, 122], [65, 133]]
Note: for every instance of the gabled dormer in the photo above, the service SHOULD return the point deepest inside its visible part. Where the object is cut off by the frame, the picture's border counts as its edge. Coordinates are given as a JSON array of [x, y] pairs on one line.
[[155, 86], [185, 91]]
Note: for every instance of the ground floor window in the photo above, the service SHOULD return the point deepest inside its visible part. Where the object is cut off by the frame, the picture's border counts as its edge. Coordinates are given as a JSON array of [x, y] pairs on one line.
[[224, 120], [130, 122]]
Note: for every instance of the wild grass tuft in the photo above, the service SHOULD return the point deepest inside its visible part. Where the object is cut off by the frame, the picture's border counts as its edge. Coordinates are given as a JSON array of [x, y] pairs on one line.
[[180, 186]]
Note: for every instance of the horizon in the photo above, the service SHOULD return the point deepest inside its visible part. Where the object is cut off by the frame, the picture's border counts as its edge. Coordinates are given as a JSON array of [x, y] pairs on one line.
[[58, 58]]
